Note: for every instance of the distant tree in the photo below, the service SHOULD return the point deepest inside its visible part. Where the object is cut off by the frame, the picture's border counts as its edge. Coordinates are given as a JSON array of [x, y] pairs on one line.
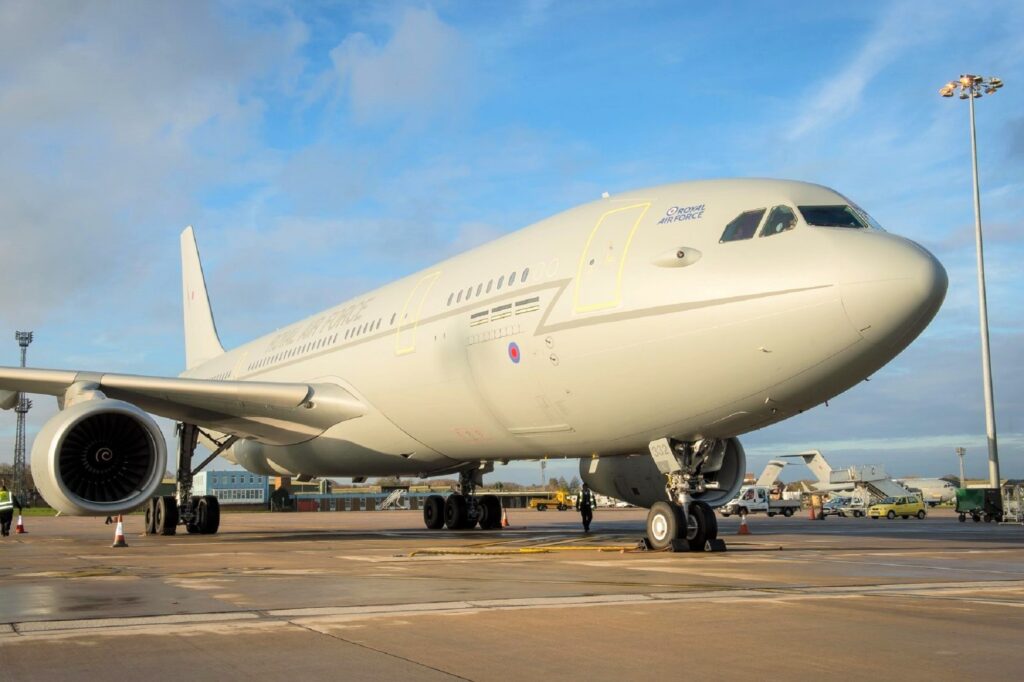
[[552, 484], [574, 484]]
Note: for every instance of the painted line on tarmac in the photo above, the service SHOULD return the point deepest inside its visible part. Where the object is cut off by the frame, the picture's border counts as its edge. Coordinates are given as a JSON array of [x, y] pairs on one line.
[[303, 616]]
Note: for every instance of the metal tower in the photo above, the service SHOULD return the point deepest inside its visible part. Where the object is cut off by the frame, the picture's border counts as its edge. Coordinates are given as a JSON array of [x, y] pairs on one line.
[[22, 408]]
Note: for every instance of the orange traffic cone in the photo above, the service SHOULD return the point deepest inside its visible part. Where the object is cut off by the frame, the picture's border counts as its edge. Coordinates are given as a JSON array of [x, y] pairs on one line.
[[744, 528], [504, 518], [119, 534], [20, 528]]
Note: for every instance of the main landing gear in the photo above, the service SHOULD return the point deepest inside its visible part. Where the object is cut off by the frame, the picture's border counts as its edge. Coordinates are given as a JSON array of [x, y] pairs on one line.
[[683, 523], [198, 514], [463, 510]]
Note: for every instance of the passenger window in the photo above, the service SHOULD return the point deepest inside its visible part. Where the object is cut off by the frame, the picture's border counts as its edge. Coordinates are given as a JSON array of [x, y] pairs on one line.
[[490, 284], [450, 297], [501, 281], [459, 299], [743, 226], [512, 279], [479, 288], [469, 292], [781, 219], [526, 273]]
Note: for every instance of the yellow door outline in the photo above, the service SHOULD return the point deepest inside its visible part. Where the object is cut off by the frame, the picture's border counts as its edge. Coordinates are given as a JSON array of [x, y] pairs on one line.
[[616, 297], [405, 334]]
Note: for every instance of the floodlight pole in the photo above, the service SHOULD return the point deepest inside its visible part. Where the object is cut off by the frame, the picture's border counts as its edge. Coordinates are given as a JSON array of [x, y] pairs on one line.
[[970, 87], [960, 452], [986, 360]]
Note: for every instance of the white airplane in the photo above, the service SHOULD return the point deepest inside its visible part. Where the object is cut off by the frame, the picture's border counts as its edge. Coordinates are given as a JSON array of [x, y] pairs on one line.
[[640, 333], [934, 490]]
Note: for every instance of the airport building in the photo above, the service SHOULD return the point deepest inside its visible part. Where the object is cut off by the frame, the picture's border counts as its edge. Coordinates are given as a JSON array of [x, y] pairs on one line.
[[233, 487]]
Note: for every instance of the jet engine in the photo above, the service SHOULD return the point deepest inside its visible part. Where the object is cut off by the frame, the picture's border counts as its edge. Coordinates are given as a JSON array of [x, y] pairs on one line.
[[637, 480], [99, 457]]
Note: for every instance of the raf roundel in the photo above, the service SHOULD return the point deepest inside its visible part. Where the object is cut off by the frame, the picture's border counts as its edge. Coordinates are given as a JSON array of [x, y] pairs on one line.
[[513, 352]]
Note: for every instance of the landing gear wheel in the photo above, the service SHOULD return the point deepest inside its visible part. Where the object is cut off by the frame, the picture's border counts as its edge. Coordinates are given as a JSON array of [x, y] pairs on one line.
[[207, 518], [710, 520], [664, 524], [490, 505], [166, 517], [697, 527], [151, 516], [456, 516], [433, 512]]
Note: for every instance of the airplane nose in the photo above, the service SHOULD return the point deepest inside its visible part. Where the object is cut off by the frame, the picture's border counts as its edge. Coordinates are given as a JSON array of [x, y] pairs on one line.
[[891, 287]]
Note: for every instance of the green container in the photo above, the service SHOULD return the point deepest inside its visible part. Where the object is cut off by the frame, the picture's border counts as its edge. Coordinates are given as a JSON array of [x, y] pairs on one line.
[[978, 500]]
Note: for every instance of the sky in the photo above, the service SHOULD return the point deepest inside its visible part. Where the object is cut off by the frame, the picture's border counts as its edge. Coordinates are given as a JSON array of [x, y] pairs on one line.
[[322, 149]]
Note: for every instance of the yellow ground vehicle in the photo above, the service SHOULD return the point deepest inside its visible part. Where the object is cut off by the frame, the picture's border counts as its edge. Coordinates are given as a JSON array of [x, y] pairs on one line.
[[560, 501], [891, 507]]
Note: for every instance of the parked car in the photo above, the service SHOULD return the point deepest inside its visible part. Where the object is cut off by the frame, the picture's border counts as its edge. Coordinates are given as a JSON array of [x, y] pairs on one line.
[[891, 507], [844, 506]]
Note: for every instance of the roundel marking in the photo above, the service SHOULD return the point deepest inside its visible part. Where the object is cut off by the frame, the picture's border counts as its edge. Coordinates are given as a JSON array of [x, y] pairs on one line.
[[513, 352]]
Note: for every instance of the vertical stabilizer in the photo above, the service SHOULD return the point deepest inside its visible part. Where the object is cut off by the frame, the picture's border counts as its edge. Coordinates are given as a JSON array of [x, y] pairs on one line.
[[201, 340]]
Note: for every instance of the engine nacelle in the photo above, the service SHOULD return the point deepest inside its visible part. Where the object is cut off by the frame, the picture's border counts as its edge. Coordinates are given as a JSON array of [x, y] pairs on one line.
[[637, 480], [99, 457]]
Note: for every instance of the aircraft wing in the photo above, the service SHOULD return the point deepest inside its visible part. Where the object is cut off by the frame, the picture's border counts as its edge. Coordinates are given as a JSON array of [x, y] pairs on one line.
[[269, 412]]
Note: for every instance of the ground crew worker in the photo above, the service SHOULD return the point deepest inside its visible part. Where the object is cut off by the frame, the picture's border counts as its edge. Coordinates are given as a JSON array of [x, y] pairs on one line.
[[8, 502], [585, 503]]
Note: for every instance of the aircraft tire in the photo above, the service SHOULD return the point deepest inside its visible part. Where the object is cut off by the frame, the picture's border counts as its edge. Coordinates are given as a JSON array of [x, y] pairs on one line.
[[433, 512], [664, 524], [207, 517], [151, 516], [491, 506], [166, 516], [710, 521], [697, 532], [455, 516]]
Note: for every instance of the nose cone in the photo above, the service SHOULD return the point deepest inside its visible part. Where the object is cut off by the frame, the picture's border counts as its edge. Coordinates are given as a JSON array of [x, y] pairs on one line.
[[891, 287]]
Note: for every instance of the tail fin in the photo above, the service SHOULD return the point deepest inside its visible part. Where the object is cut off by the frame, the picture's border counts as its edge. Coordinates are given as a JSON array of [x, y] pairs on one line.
[[201, 340]]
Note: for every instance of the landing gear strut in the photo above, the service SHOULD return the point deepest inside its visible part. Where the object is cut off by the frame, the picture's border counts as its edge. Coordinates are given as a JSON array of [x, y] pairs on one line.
[[463, 510], [198, 514], [684, 523]]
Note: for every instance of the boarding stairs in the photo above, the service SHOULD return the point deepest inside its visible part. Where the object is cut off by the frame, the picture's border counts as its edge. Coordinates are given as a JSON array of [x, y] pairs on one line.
[[393, 500]]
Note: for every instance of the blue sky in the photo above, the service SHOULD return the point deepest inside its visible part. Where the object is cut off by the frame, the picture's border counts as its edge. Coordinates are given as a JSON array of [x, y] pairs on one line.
[[322, 149]]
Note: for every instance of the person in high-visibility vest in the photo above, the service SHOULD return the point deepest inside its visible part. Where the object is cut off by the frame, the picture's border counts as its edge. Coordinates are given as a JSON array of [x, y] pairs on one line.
[[585, 503], [8, 501]]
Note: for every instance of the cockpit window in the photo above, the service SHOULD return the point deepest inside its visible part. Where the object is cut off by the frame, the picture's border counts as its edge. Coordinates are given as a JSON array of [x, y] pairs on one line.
[[743, 226], [781, 218], [833, 216]]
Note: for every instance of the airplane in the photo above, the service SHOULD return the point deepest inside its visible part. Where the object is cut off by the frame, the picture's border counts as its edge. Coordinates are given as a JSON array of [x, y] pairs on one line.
[[640, 333], [934, 490]]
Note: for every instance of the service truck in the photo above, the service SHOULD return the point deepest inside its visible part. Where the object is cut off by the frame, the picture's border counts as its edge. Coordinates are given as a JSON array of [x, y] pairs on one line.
[[757, 498]]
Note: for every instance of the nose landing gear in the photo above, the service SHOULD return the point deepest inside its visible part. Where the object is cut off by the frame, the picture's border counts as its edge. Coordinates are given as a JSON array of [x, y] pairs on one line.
[[683, 523]]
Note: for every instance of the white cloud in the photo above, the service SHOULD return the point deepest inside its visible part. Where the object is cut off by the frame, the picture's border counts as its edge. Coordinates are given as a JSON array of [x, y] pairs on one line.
[[900, 29], [423, 69]]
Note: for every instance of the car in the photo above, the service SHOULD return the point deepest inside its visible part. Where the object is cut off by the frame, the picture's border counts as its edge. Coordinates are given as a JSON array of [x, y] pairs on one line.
[[905, 506]]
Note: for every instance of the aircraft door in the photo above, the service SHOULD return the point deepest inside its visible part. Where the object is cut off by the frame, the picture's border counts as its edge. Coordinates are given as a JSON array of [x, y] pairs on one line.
[[599, 275], [409, 318]]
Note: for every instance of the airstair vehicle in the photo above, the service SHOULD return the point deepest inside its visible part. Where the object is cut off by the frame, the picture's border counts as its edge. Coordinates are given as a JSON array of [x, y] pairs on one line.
[[869, 483], [393, 500]]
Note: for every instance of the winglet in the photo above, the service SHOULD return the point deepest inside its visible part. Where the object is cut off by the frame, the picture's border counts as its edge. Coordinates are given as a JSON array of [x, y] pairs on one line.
[[201, 340]]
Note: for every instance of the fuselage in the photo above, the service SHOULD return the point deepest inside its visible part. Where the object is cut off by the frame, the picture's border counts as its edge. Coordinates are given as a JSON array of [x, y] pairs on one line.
[[602, 328]]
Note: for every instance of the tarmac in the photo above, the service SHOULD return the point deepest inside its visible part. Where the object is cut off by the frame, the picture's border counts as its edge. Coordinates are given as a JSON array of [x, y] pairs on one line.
[[374, 595]]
